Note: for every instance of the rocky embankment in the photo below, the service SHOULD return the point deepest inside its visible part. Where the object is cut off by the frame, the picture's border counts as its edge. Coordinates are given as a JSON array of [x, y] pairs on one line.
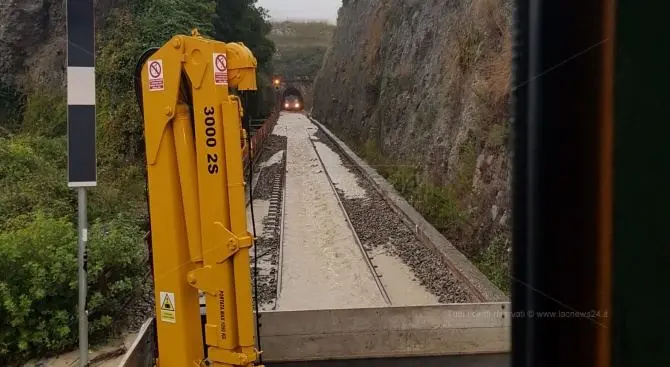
[[420, 89], [33, 42]]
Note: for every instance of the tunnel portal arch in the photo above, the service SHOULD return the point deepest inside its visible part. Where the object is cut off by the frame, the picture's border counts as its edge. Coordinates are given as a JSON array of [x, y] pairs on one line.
[[292, 91], [289, 96]]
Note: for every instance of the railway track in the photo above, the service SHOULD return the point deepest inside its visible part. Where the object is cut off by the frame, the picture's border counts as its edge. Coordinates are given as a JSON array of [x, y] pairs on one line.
[[270, 201], [268, 266], [364, 253], [280, 261], [261, 132], [290, 198], [271, 242]]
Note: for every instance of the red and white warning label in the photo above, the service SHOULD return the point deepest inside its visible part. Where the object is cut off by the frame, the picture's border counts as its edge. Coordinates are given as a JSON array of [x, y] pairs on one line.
[[220, 62], [156, 80]]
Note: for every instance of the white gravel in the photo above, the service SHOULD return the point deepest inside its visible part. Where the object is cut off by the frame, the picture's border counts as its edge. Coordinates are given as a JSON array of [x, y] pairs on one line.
[[322, 266], [276, 158], [342, 178], [282, 130], [261, 208], [265, 265]]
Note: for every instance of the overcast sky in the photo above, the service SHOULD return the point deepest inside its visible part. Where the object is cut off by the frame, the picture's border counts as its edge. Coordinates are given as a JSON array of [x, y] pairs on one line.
[[302, 9]]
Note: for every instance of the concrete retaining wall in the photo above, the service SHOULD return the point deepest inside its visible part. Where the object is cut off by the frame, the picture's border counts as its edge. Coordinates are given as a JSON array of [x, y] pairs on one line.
[[455, 329], [141, 353]]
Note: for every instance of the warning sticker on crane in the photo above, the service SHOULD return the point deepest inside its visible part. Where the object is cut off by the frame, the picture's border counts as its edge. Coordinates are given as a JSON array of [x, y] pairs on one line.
[[156, 80], [168, 311], [220, 62]]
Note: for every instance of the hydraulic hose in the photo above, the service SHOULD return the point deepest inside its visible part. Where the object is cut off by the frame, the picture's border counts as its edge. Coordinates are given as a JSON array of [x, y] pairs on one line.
[[246, 121], [137, 82]]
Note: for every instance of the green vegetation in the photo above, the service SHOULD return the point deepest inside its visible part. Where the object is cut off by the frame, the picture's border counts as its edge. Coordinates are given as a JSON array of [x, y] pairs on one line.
[[300, 62], [444, 205], [467, 165], [437, 203], [32, 179], [497, 135], [38, 236], [39, 289], [494, 261], [10, 101], [301, 47], [471, 95], [243, 21], [302, 34]]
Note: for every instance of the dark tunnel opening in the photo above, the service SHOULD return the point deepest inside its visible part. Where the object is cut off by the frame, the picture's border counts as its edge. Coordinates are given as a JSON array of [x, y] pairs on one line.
[[292, 99]]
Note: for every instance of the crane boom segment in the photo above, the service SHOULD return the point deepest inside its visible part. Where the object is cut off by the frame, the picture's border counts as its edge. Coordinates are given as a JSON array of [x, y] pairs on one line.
[[193, 130]]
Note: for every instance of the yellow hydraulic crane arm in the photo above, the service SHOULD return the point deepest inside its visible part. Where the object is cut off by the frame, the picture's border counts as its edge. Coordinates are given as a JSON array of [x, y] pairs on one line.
[[196, 185]]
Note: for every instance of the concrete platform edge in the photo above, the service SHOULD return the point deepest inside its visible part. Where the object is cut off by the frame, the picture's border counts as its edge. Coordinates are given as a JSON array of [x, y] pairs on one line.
[[451, 330], [141, 352], [476, 281]]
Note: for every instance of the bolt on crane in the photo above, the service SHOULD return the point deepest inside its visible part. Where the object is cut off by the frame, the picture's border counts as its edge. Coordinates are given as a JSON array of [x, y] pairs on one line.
[[195, 183]]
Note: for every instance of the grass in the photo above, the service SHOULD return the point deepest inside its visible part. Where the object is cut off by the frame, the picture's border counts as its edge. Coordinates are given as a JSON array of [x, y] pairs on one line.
[[497, 136], [45, 114], [494, 261], [437, 203], [444, 205], [467, 165]]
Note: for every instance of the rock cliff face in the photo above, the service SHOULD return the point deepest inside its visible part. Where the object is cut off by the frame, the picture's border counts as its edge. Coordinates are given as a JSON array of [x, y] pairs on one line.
[[33, 42], [420, 88]]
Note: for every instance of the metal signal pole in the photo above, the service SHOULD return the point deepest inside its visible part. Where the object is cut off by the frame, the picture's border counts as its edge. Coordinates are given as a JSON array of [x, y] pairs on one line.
[[81, 134]]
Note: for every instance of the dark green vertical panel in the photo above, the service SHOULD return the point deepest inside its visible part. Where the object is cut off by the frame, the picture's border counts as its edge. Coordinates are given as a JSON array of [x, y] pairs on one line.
[[557, 119], [641, 326]]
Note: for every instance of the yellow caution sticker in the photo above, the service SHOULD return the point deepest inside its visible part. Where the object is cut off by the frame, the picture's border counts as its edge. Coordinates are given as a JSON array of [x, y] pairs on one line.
[[168, 311]]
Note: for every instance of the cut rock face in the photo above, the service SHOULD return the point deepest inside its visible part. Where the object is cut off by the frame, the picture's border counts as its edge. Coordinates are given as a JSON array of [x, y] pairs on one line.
[[421, 89]]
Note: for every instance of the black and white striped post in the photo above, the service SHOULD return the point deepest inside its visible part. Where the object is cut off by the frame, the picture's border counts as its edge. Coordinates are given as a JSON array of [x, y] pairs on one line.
[[81, 134]]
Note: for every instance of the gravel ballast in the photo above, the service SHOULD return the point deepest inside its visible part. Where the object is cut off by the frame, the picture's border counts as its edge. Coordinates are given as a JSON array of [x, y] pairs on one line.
[[269, 187], [379, 227]]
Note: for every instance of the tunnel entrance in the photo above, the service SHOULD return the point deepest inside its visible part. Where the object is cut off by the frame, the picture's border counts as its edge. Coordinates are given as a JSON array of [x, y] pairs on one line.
[[292, 99]]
